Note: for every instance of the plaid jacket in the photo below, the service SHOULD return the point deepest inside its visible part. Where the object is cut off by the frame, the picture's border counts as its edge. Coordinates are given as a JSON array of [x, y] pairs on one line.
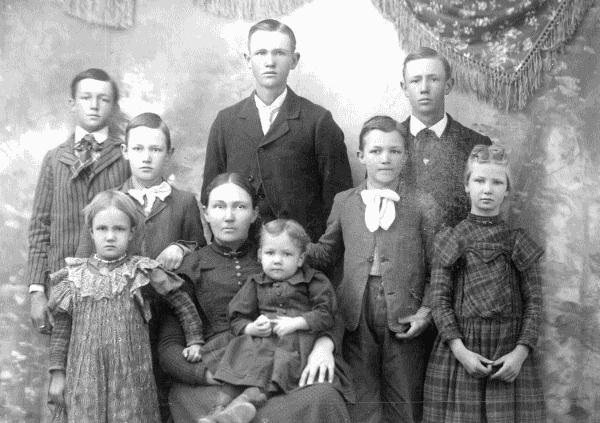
[[56, 219]]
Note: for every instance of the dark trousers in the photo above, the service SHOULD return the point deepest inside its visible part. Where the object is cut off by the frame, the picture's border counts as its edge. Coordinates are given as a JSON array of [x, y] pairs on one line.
[[388, 373]]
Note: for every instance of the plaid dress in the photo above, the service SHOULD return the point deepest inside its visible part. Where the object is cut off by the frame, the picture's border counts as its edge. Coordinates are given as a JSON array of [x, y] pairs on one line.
[[485, 290]]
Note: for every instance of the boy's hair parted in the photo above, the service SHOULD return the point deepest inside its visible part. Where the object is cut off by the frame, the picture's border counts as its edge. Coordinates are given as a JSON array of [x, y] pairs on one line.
[[291, 228], [493, 154], [272, 25], [229, 178], [98, 75], [384, 124], [427, 53], [108, 199], [149, 120]]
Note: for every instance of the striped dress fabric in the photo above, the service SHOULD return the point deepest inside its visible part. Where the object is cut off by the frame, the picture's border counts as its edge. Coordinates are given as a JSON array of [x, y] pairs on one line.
[[56, 218], [486, 290]]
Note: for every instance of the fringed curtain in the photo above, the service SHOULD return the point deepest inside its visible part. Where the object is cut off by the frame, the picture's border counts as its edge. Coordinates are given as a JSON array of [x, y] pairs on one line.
[[249, 9], [498, 49], [113, 13]]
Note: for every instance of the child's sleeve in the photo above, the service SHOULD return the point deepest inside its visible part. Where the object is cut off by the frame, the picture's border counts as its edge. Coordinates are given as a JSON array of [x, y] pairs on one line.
[[59, 341], [331, 244], [323, 303], [243, 307], [188, 316], [526, 254], [445, 254], [39, 228]]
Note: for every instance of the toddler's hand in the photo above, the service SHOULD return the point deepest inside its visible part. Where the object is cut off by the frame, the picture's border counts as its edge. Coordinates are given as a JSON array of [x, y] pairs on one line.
[[192, 353], [57, 388], [171, 257], [286, 325], [510, 364], [260, 327]]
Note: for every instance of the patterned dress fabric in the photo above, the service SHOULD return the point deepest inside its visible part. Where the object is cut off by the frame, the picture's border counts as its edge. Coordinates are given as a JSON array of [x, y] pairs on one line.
[[109, 366], [486, 290]]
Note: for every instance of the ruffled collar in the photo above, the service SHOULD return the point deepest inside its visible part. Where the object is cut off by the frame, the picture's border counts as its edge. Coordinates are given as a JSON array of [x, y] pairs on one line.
[[484, 220], [227, 252]]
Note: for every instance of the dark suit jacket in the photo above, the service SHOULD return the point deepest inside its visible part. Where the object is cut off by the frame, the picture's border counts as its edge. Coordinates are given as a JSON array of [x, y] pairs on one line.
[[56, 219], [175, 219], [404, 252], [302, 161], [442, 175]]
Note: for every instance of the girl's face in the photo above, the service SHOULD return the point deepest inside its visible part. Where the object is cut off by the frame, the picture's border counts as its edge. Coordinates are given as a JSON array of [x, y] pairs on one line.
[[111, 231], [384, 157], [147, 152], [229, 213], [487, 187], [279, 256]]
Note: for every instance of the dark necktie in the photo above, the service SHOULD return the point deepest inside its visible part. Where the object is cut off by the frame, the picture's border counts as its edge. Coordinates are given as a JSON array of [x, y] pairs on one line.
[[423, 146], [87, 151]]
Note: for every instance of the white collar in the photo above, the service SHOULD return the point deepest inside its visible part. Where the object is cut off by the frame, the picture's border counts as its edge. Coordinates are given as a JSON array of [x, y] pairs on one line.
[[275, 105], [100, 135], [417, 126]]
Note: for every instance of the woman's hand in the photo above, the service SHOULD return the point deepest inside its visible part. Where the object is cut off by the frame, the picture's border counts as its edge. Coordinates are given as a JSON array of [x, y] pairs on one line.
[[192, 353], [171, 257], [56, 391], [476, 365], [320, 363], [510, 364], [284, 325], [260, 327]]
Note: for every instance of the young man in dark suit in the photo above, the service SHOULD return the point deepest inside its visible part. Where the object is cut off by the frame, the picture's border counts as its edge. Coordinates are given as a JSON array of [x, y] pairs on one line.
[[289, 148], [439, 145]]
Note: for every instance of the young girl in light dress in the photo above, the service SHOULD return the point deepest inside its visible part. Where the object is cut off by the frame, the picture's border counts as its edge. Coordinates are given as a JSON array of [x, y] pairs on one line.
[[486, 302], [100, 361]]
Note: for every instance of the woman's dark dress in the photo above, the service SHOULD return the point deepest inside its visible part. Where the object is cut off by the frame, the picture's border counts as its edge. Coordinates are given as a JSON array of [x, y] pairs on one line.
[[218, 275]]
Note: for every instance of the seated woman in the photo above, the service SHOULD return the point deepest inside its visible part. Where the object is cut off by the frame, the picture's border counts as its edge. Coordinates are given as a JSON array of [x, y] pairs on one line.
[[218, 272]]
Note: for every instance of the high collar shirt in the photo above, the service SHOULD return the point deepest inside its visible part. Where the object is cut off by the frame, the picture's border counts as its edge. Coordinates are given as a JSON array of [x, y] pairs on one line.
[[267, 114], [100, 135], [417, 126]]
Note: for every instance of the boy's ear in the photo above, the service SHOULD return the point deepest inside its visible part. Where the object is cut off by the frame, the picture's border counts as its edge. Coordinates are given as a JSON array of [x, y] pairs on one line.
[[71, 104], [296, 59], [247, 60], [360, 155], [171, 151], [258, 255], [124, 151], [448, 86], [254, 214], [302, 258]]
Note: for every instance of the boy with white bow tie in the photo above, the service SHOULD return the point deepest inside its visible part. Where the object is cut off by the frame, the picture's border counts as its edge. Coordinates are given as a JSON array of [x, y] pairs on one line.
[[385, 228]]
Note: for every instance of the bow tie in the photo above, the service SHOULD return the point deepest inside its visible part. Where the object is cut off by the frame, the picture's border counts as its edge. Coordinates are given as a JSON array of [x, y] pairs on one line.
[[161, 191], [87, 151], [380, 209]]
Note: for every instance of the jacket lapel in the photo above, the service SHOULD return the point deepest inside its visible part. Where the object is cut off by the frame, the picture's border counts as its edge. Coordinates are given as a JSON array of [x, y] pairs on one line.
[[290, 109], [249, 120], [110, 154], [358, 189], [67, 156], [159, 205]]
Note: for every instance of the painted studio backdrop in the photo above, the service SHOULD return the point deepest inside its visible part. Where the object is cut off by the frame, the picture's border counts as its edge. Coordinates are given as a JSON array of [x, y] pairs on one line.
[[525, 86]]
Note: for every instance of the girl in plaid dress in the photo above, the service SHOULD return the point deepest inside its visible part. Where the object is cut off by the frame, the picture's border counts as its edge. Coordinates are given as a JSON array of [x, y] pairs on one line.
[[486, 303]]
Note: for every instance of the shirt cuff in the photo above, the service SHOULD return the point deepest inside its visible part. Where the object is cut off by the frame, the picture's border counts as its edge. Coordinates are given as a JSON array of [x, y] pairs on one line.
[[37, 287]]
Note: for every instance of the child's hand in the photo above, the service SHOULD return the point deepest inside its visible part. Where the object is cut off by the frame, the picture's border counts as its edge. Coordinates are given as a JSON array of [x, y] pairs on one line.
[[285, 325], [56, 391], [171, 257], [415, 325], [510, 364], [192, 353], [260, 327], [476, 365]]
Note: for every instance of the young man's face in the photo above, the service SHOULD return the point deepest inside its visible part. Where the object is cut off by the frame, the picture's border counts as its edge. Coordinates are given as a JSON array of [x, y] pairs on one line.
[[383, 156], [426, 85], [148, 155], [93, 104], [271, 59]]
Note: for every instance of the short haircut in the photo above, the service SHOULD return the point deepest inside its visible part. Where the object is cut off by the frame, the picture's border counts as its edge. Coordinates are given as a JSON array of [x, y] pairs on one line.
[[427, 53], [108, 199], [229, 178], [272, 25], [291, 228], [98, 75], [485, 154], [149, 120], [382, 123]]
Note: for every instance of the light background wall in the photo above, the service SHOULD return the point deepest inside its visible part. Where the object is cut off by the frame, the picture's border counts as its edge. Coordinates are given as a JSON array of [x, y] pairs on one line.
[[187, 65]]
